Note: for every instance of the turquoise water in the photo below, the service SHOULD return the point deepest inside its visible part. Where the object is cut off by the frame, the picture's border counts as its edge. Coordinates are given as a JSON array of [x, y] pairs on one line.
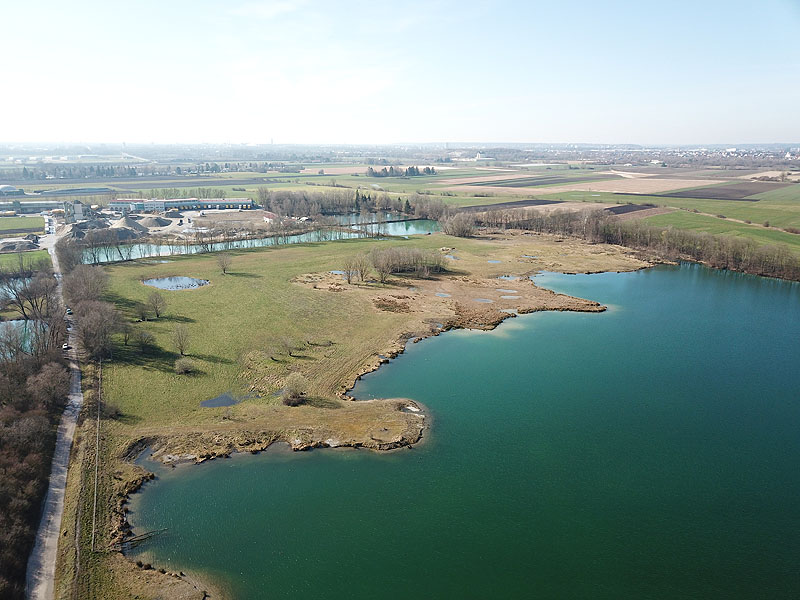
[[650, 451]]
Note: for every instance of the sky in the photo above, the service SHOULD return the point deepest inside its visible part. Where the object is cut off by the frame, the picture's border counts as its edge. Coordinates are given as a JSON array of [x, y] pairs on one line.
[[360, 72]]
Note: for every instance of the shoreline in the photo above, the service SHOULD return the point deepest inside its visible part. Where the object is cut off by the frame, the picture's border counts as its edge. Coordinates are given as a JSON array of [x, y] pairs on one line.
[[458, 310]]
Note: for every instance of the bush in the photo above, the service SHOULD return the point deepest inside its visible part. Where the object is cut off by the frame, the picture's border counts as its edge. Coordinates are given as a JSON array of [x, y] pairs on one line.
[[184, 366], [460, 225], [405, 260], [294, 390]]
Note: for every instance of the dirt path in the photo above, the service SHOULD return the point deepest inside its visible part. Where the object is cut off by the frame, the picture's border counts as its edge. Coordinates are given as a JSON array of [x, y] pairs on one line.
[[42, 561]]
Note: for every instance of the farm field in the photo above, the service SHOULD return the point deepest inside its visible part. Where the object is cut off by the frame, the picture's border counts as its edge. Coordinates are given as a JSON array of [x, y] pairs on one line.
[[714, 225], [732, 191], [12, 259], [10, 226], [780, 207]]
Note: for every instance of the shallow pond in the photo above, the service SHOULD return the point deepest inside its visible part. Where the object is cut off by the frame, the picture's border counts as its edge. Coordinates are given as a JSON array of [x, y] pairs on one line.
[[176, 283], [646, 452]]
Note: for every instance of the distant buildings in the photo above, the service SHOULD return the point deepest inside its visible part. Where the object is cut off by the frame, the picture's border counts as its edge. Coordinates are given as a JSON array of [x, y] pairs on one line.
[[31, 207], [160, 206]]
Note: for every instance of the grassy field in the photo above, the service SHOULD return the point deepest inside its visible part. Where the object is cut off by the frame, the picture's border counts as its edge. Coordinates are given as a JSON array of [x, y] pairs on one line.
[[762, 235], [240, 326], [18, 226], [780, 207], [12, 259]]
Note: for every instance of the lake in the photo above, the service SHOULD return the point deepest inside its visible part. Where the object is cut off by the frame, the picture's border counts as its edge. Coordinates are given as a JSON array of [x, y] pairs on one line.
[[147, 249], [650, 451]]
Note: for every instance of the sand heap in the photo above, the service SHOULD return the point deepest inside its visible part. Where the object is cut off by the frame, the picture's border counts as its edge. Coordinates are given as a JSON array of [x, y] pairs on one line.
[[173, 214], [127, 223], [21, 246], [154, 222]]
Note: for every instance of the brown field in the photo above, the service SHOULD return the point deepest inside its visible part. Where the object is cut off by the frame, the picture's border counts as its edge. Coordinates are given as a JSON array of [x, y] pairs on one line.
[[640, 185], [644, 212], [482, 179], [735, 191], [793, 176], [335, 170], [541, 205]]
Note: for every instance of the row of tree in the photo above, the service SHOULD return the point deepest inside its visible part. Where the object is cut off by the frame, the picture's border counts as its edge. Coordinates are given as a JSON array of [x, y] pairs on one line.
[[289, 203], [400, 172], [719, 251], [34, 385]]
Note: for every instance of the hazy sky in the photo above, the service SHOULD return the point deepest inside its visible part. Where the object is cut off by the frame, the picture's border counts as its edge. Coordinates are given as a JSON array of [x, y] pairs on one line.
[[305, 71]]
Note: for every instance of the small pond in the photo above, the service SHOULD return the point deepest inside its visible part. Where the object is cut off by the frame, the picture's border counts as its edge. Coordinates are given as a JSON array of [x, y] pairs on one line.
[[175, 283]]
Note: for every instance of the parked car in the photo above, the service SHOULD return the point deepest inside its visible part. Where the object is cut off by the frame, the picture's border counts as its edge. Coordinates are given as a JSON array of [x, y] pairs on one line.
[[66, 347]]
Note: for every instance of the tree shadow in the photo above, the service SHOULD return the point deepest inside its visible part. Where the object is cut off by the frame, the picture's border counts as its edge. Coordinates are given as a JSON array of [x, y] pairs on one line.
[[175, 319], [322, 403], [210, 358], [154, 357], [127, 419], [126, 304], [246, 275]]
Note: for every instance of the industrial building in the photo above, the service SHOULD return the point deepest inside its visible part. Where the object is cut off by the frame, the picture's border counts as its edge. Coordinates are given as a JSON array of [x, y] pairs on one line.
[[160, 206]]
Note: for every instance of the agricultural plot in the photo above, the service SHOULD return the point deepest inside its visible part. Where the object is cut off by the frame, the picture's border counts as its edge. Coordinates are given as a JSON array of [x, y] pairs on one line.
[[33, 257], [547, 180], [737, 191], [714, 225], [20, 225]]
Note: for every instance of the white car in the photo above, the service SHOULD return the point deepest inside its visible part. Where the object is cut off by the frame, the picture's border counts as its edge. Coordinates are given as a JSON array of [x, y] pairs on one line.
[[66, 347]]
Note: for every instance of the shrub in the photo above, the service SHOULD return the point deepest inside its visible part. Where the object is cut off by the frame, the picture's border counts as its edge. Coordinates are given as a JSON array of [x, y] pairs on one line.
[[294, 390], [460, 225], [184, 366]]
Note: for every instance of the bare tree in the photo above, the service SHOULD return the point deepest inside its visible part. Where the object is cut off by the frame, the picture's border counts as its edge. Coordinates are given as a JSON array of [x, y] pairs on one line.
[[69, 254], [144, 339], [460, 225], [349, 270], [294, 389], [156, 303], [32, 298], [85, 282], [224, 261], [96, 321], [50, 386], [361, 266], [142, 311], [180, 338], [382, 265]]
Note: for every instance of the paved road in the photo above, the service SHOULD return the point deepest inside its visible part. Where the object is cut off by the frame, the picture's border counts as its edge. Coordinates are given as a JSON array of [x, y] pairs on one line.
[[42, 562]]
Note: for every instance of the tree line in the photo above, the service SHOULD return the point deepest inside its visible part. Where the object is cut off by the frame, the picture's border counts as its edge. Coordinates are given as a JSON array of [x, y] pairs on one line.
[[34, 385], [718, 251], [289, 203], [400, 172]]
